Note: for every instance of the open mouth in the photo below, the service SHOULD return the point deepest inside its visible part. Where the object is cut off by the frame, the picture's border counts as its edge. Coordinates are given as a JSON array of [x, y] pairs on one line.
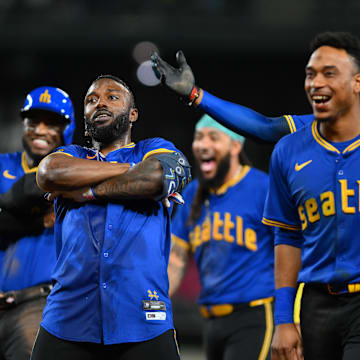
[[40, 144], [207, 165], [320, 99]]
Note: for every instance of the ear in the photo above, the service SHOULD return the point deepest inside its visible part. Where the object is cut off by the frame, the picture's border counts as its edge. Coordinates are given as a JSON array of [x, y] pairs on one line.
[[357, 83], [236, 148], [133, 115]]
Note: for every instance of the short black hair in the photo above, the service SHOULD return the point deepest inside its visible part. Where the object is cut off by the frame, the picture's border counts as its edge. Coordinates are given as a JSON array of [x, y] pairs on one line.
[[340, 40], [122, 82]]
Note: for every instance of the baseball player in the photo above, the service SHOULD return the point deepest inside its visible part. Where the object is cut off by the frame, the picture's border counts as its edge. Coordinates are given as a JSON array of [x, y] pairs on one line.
[[27, 249], [313, 203], [220, 224], [110, 297]]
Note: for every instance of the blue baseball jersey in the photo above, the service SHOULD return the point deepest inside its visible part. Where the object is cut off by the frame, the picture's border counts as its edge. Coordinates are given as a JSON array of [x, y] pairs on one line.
[[112, 258], [296, 122], [233, 250], [314, 194], [27, 261]]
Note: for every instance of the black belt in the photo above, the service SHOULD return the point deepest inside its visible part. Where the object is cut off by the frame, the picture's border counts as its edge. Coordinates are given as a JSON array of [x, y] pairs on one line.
[[211, 311], [337, 288], [12, 298]]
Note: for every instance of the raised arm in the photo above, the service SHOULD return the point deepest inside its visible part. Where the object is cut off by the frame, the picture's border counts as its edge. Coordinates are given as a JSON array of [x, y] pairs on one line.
[[178, 260], [238, 118]]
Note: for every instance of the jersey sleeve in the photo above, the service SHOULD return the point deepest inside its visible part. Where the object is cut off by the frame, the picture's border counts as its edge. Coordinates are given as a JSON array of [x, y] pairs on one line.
[[70, 150], [157, 145], [296, 122], [280, 210], [250, 123]]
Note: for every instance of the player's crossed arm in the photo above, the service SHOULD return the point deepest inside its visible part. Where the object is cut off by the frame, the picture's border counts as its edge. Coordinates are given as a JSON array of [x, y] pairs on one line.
[[158, 177]]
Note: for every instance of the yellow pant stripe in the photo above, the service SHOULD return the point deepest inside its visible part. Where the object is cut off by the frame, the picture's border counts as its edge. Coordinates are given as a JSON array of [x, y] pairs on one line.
[[268, 332]]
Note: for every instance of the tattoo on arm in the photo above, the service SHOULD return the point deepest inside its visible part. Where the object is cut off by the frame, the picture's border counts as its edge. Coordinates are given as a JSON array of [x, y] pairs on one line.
[[178, 261], [142, 181]]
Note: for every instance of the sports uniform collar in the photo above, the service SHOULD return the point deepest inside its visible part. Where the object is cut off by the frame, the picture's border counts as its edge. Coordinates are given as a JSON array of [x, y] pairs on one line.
[[237, 178], [27, 169], [324, 143]]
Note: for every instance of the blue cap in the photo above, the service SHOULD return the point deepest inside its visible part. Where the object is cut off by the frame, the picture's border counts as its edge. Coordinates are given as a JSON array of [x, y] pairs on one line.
[[55, 100]]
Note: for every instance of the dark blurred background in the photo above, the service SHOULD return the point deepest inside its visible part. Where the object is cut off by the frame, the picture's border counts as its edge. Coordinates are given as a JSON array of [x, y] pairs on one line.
[[248, 51]]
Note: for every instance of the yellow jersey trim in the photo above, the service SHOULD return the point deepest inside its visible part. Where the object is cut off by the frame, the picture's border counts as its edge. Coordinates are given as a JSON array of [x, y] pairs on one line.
[[269, 319], [320, 139], [291, 123], [127, 146], [280, 224], [182, 243], [157, 151], [352, 146], [224, 187], [25, 165]]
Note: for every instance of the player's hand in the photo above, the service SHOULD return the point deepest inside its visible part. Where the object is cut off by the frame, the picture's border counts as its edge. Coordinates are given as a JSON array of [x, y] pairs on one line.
[[180, 80], [286, 343], [79, 195], [175, 197]]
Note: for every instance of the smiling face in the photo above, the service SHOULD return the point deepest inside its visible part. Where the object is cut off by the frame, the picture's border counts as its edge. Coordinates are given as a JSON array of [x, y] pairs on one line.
[[213, 150], [108, 111], [332, 83], [42, 133]]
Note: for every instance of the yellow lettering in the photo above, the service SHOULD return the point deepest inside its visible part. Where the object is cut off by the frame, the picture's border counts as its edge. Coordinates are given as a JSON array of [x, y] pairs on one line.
[[311, 207], [239, 231], [45, 97], [345, 193], [206, 230], [250, 239], [229, 225], [218, 223], [328, 203], [302, 217]]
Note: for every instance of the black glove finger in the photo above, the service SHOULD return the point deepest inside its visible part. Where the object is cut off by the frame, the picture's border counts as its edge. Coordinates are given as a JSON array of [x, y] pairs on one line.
[[181, 60], [163, 68], [155, 65]]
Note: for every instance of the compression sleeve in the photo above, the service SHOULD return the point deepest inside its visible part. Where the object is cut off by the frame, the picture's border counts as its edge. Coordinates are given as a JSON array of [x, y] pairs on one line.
[[243, 120]]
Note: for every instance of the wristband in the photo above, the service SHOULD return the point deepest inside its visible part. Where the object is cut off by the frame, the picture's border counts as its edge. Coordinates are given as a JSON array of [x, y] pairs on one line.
[[284, 305], [193, 95]]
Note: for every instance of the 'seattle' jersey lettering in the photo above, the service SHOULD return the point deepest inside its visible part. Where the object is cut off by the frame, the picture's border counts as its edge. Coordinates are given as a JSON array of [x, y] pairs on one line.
[[313, 208], [222, 227], [315, 192], [232, 248]]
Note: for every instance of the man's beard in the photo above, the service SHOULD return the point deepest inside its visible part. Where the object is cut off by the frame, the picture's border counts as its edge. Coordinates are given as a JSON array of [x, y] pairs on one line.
[[35, 157], [218, 179], [111, 132]]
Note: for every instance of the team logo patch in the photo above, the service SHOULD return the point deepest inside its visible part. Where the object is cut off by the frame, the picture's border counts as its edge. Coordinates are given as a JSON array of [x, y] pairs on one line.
[[45, 97], [158, 315], [8, 175], [153, 295], [298, 167]]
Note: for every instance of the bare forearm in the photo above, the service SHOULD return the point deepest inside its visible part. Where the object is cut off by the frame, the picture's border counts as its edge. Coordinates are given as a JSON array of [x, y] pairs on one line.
[[287, 265], [60, 172], [145, 180], [177, 266]]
